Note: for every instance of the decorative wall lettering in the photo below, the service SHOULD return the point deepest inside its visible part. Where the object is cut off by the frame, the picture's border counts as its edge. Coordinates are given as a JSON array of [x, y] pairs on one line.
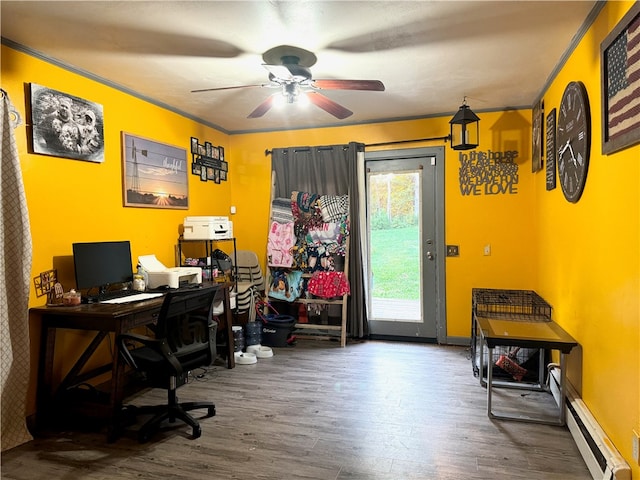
[[488, 173]]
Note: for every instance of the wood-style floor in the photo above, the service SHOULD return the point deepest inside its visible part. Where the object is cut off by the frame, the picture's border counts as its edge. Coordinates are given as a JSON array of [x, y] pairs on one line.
[[373, 410]]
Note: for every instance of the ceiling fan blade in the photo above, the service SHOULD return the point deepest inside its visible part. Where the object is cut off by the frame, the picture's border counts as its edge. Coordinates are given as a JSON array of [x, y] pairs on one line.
[[328, 105], [263, 107], [328, 84], [229, 88]]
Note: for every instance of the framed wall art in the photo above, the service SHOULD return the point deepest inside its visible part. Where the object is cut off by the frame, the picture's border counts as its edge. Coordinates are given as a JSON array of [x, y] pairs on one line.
[[154, 174], [551, 150], [208, 161], [66, 126], [620, 82], [537, 133]]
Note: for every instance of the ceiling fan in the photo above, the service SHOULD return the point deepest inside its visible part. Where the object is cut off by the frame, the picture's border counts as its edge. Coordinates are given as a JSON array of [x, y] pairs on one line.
[[289, 70]]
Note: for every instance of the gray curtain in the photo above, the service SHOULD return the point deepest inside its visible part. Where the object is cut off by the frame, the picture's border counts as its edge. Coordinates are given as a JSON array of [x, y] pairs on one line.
[[329, 170]]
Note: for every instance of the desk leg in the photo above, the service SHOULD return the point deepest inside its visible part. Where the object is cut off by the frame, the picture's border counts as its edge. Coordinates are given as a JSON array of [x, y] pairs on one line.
[[563, 386], [231, 354], [115, 396], [45, 375], [489, 381], [481, 376]]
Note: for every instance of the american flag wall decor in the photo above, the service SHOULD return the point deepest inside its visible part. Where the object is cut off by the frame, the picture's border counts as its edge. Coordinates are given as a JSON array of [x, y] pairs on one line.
[[620, 56]]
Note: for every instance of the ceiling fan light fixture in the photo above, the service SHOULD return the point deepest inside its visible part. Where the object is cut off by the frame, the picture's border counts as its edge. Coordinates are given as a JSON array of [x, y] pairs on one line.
[[289, 70], [465, 130], [291, 92], [303, 99], [279, 101]]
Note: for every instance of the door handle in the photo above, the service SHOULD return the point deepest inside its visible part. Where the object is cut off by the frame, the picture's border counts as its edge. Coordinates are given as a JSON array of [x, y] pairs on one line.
[[430, 255]]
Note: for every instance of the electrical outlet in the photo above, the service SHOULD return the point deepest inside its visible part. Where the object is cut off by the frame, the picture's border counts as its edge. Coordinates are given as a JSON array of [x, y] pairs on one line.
[[453, 250], [487, 249], [635, 442]]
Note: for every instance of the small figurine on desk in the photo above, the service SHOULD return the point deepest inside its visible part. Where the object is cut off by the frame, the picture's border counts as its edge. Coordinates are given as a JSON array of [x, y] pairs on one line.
[[139, 283], [55, 295]]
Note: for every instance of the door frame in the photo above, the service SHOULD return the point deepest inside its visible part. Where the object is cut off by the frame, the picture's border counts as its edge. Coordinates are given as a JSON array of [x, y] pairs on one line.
[[439, 247]]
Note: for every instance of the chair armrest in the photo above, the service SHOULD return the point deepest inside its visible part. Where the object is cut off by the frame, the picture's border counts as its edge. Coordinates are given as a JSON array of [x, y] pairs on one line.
[[158, 345]]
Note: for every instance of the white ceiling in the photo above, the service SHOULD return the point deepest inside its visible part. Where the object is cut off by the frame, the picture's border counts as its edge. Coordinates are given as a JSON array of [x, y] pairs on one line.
[[429, 54]]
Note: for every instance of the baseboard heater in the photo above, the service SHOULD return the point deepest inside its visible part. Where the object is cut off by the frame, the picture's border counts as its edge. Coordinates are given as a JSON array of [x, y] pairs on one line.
[[602, 458]]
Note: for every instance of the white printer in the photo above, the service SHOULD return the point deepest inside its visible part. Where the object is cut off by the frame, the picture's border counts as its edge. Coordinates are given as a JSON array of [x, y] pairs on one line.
[[161, 276], [207, 228]]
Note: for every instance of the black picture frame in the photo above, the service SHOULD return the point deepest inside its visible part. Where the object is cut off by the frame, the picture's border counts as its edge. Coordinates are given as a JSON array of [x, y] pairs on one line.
[[66, 126], [194, 145], [537, 136], [203, 174], [551, 150], [196, 168], [221, 153], [616, 85], [208, 148], [223, 176]]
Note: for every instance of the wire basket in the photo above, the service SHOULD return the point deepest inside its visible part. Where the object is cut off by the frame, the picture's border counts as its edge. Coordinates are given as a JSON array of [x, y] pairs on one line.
[[525, 305], [512, 305]]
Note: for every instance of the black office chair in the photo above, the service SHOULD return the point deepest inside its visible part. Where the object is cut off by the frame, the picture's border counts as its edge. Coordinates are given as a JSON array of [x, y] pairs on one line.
[[182, 343]]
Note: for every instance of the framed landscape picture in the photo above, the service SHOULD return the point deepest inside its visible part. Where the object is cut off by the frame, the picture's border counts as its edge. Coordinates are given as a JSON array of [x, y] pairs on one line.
[[154, 174]]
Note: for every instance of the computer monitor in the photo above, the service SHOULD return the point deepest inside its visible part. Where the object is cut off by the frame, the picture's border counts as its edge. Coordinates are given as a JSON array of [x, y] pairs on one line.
[[98, 265]]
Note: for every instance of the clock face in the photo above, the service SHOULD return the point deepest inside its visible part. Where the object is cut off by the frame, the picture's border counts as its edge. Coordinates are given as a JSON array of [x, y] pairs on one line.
[[573, 140]]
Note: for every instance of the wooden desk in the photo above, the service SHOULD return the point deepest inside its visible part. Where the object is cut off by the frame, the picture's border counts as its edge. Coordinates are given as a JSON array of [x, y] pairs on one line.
[[527, 334], [103, 319]]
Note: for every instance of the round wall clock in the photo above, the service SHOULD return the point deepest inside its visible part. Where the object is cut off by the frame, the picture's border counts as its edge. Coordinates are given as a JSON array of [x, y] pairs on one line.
[[573, 140]]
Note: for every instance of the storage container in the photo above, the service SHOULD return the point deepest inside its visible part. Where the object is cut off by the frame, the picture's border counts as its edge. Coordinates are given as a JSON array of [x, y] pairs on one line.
[[277, 330]]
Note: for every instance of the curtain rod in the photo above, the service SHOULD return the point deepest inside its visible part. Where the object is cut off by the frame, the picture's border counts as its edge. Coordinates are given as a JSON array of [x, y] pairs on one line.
[[447, 138], [306, 149], [430, 139]]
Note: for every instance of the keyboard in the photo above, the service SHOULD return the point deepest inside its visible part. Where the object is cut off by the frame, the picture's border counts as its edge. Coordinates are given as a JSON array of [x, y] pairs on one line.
[[134, 297], [116, 294]]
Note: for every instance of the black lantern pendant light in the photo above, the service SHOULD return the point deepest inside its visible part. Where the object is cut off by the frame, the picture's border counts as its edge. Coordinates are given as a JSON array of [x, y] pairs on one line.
[[465, 131]]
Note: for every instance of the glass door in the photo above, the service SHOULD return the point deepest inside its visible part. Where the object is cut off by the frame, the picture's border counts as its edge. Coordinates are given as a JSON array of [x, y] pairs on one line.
[[403, 244]]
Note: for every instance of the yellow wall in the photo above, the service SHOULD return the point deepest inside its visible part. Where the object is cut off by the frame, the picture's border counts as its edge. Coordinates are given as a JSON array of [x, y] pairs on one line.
[[471, 221], [582, 258], [589, 262], [75, 201]]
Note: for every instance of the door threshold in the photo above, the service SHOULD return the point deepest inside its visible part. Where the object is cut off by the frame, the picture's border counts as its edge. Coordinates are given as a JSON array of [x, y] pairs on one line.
[[398, 338]]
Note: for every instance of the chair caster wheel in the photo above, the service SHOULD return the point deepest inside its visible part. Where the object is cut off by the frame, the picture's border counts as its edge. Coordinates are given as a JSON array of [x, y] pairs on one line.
[[211, 411], [145, 436], [197, 431]]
